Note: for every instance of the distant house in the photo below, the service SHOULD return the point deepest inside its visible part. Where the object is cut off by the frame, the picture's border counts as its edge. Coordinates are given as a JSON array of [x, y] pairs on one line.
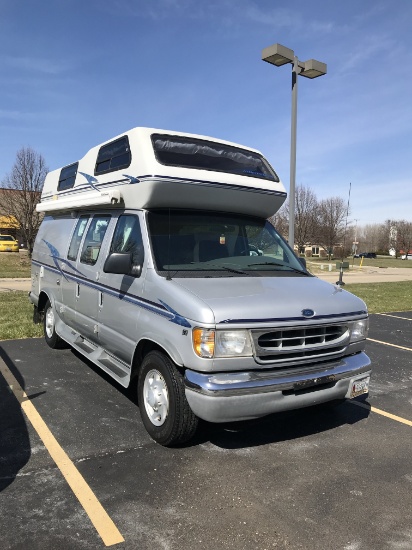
[[9, 226], [316, 251]]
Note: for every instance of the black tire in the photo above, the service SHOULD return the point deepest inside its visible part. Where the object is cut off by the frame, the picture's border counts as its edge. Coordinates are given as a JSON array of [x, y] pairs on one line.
[[164, 409], [53, 340]]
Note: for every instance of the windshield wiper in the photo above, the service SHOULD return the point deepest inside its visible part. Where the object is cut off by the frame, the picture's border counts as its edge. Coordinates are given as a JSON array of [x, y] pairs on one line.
[[232, 270], [281, 265]]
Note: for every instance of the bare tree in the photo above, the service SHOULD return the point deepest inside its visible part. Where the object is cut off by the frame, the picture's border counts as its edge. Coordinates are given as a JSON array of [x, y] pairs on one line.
[[280, 220], [404, 236], [387, 237], [22, 190], [330, 231], [370, 237], [394, 236], [305, 217]]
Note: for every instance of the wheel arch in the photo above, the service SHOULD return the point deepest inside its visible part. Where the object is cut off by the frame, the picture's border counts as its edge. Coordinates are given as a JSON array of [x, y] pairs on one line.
[[43, 298], [145, 346]]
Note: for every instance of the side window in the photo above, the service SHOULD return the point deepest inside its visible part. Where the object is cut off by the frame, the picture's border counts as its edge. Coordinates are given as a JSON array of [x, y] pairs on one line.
[[128, 238], [67, 177], [113, 156], [77, 237], [94, 238]]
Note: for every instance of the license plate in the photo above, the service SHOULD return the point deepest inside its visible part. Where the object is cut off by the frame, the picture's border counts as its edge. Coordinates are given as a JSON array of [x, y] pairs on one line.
[[359, 387]]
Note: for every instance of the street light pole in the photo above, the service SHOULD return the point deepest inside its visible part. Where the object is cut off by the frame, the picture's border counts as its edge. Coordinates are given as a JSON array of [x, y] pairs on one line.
[[280, 55], [293, 133]]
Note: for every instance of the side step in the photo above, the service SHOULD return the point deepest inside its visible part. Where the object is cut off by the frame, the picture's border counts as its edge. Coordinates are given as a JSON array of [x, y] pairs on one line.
[[117, 367], [119, 370]]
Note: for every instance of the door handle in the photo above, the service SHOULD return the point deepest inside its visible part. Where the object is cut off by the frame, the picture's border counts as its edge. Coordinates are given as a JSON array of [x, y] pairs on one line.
[[58, 282]]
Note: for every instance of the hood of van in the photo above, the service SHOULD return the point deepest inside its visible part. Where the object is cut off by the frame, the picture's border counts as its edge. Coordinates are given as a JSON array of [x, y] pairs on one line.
[[272, 299]]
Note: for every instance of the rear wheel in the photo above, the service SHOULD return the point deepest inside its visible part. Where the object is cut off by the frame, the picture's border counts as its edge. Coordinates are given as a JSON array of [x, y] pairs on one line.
[[164, 409], [53, 340]]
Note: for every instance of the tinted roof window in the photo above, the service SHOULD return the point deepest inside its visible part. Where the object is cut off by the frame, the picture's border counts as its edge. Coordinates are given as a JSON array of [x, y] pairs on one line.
[[113, 156], [208, 155], [67, 177]]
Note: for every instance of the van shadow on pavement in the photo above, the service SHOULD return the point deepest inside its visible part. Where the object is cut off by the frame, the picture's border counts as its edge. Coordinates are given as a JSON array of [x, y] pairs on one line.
[[15, 448], [283, 426]]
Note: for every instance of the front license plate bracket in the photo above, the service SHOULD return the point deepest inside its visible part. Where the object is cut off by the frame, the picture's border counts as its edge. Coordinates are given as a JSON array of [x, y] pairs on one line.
[[359, 386]]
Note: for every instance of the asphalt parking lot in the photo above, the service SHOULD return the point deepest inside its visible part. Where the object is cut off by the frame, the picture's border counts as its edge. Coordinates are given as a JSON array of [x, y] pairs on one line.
[[322, 478]]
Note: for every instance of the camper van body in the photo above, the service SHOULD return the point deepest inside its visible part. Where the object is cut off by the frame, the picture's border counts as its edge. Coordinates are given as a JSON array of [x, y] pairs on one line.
[[156, 262]]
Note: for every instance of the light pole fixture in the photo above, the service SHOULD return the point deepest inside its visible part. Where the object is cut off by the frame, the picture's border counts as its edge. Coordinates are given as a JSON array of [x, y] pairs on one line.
[[280, 55]]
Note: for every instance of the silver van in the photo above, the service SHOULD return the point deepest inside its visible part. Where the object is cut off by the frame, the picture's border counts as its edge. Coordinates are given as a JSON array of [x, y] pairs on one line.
[[155, 260]]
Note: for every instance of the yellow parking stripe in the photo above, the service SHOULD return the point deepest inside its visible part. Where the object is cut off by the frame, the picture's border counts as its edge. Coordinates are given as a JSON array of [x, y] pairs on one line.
[[97, 514], [383, 413], [388, 344]]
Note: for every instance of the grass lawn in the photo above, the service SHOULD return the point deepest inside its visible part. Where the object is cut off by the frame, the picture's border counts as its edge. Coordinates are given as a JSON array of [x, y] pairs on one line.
[[16, 317], [384, 297], [14, 264]]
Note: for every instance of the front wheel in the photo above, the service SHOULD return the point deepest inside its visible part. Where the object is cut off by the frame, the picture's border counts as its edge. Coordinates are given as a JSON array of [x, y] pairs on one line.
[[164, 409], [53, 340]]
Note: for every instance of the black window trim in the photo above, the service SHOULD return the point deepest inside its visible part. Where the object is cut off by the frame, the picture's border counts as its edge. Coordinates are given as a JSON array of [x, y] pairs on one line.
[[59, 188], [156, 135], [123, 166]]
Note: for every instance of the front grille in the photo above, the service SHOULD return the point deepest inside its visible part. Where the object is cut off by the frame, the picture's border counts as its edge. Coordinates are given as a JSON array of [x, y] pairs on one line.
[[287, 344]]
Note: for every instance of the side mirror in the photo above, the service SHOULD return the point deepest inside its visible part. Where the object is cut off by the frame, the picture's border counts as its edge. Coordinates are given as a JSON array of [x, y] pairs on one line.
[[302, 261], [118, 263]]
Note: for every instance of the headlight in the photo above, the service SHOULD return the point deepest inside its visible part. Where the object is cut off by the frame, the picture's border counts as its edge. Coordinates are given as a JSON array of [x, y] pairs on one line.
[[221, 343], [359, 330], [233, 343]]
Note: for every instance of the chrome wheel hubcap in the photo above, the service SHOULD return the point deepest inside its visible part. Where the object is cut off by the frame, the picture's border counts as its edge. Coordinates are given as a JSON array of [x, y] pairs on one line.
[[49, 322], [156, 397]]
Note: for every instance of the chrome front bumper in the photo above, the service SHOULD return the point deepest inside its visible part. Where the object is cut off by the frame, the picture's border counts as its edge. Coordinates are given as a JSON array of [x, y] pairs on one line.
[[227, 397]]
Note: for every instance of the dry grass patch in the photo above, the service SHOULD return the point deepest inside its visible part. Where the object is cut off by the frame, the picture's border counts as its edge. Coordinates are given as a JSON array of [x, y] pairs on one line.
[[14, 265]]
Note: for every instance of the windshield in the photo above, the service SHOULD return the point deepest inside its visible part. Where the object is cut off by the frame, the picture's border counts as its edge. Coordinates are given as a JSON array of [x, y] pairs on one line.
[[209, 155], [6, 238], [195, 244]]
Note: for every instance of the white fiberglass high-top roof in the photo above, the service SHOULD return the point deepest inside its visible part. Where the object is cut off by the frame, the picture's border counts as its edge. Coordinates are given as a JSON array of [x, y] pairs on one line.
[[149, 168]]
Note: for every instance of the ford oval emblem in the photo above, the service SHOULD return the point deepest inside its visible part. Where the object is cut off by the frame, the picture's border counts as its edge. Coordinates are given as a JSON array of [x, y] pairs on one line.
[[308, 312]]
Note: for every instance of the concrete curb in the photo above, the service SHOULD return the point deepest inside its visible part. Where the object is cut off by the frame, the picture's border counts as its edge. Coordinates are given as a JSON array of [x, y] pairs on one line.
[[10, 285]]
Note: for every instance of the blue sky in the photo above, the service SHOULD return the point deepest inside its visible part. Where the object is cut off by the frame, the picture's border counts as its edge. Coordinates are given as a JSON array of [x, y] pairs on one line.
[[75, 73]]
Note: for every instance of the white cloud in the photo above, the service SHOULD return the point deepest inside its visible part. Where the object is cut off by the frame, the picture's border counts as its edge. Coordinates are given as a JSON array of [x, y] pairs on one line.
[[222, 12], [371, 49]]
